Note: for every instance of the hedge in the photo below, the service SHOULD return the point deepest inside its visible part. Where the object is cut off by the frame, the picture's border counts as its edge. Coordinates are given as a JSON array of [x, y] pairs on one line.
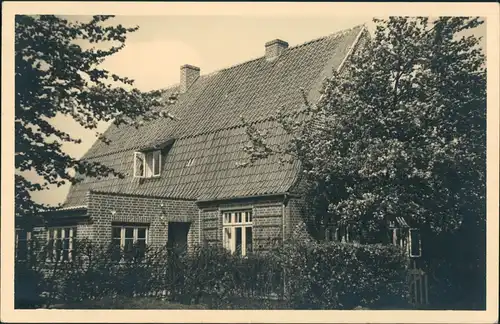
[[299, 275], [335, 275]]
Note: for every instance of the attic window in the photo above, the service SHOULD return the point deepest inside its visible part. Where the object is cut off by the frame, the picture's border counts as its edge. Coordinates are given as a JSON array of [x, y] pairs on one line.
[[147, 164]]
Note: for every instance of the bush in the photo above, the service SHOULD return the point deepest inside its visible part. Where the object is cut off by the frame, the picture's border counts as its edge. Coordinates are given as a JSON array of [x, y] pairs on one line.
[[29, 278], [344, 276], [214, 277], [312, 275], [27, 290]]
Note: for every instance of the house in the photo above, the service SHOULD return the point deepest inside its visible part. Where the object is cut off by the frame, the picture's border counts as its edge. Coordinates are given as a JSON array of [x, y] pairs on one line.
[[183, 185]]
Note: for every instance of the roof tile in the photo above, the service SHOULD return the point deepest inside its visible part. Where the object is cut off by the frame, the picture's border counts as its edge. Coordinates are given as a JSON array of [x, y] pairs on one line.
[[210, 129]]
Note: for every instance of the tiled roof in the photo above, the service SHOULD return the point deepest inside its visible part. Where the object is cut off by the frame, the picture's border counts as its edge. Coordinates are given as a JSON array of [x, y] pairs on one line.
[[209, 128]]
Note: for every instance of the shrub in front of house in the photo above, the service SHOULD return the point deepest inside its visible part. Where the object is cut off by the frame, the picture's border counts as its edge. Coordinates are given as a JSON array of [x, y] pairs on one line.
[[333, 275], [29, 279], [310, 275], [214, 277]]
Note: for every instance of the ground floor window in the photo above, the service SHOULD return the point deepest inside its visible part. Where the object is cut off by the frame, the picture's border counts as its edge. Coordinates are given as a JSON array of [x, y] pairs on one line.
[[408, 239], [340, 233], [129, 241], [61, 242], [237, 232], [22, 244]]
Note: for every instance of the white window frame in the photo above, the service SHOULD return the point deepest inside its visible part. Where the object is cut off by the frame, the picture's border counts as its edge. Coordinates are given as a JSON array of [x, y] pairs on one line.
[[410, 243], [236, 219], [136, 155], [340, 233], [151, 159], [156, 156], [72, 236], [135, 228]]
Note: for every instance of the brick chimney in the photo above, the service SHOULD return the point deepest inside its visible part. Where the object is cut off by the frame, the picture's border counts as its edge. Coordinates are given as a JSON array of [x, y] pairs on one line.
[[189, 74], [274, 48]]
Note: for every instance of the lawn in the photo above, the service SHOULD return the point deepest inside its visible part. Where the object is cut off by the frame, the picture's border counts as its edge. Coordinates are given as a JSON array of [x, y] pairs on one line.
[[127, 303], [157, 303]]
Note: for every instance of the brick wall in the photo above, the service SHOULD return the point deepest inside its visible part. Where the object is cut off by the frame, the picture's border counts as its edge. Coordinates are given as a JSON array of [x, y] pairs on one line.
[[297, 220], [105, 209], [84, 230], [268, 225], [39, 233], [270, 219], [211, 227]]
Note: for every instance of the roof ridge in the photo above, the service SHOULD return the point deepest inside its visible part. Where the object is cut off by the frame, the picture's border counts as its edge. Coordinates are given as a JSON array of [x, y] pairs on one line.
[[331, 35]]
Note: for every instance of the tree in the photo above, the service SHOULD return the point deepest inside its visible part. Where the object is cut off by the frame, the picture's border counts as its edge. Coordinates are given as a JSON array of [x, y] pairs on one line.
[[401, 131], [58, 72]]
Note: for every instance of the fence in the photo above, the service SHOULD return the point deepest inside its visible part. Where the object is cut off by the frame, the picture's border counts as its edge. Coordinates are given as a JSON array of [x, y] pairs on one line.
[[419, 288]]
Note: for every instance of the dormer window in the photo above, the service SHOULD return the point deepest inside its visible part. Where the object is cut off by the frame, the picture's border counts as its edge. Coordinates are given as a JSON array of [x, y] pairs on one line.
[[147, 164]]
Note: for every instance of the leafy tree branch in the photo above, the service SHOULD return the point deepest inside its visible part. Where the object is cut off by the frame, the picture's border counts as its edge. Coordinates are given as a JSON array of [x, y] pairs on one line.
[[58, 72]]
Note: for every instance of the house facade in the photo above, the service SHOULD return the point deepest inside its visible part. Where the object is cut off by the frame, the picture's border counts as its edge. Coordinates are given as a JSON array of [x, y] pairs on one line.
[[183, 184]]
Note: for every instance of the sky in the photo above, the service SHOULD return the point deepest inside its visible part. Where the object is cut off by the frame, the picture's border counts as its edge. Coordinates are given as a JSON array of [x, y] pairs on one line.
[[153, 55]]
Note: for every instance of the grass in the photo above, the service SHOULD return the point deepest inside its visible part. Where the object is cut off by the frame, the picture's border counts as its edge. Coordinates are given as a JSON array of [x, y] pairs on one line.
[[127, 303], [157, 303], [238, 303]]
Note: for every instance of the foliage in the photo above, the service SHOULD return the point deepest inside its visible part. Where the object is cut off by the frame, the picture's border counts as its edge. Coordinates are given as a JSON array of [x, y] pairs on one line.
[[327, 276], [29, 279], [120, 302], [401, 131], [58, 72], [332, 275]]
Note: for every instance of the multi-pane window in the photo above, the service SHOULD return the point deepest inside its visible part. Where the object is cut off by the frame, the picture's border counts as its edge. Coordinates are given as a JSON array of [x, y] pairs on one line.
[[408, 239], [237, 232], [400, 237], [147, 164], [339, 233], [61, 241], [22, 244], [129, 241]]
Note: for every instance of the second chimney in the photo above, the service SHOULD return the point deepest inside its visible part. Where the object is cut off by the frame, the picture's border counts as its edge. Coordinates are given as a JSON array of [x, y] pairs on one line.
[[274, 48], [189, 74]]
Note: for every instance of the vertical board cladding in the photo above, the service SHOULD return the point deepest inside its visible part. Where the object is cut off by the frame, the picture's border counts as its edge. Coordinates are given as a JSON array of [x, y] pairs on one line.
[[106, 209], [297, 219], [267, 221]]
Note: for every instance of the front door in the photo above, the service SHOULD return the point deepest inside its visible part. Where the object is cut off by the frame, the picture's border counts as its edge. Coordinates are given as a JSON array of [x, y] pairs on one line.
[[177, 237]]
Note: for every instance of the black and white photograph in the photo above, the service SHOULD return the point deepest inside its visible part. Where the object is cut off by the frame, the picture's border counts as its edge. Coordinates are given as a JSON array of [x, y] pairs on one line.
[[177, 161]]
